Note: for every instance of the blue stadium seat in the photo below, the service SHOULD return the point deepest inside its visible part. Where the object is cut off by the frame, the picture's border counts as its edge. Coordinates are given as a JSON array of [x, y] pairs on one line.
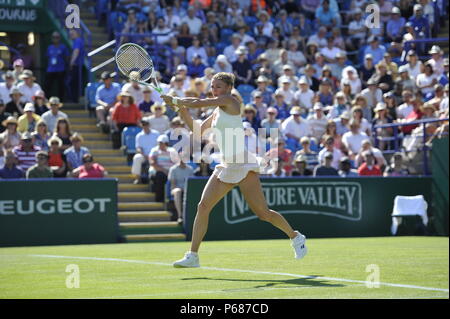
[[250, 21], [246, 92], [90, 91], [117, 21], [129, 138], [220, 47], [211, 60], [169, 196], [193, 165]]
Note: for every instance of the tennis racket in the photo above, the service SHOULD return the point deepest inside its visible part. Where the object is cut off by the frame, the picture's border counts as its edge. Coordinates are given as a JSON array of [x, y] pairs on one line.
[[136, 64]]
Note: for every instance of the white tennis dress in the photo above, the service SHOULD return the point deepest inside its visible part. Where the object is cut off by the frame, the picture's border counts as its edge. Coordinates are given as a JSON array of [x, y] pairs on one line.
[[236, 160]]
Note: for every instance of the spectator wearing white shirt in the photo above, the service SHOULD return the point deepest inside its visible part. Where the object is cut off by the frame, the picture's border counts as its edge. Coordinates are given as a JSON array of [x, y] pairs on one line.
[[317, 121], [230, 51], [264, 17], [367, 146], [193, 22], [407, 107], [426, 81], [51, 117], [159, 121], [304, 96], [294, 55], [144, 141], [414, 65], [356, 30], [330, 51], [7, 86], [353, 139], [196, 49], [28, 87], [350, 76], [136, 90], [285, 88], [330, 148], [372, 93], [294, 128], [162, 33], [172, 20]]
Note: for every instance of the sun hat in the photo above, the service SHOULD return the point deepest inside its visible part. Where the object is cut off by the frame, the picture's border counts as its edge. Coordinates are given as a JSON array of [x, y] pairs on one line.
[[27, 74], [162, 139], [29, 107], [54, 100], [154, 106], [296, 110], [380, 107], [10, 120], [54, 138], [15, 90]]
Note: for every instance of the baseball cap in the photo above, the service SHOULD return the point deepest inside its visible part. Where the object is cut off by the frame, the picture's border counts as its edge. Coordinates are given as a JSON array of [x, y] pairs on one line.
[[344, 159], [317, 106], [246, 124], [368, 56], [395, 10], [182, 67], [300, 158], [287, 67], [18, 62], [418, 7], [279, 92], [402, 68], [106, 75], [272, 110], [302, 80], [262, 78], [328, 155], [162, 139]]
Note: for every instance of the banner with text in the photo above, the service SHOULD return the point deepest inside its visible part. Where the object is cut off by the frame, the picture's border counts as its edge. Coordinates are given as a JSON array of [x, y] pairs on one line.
[[53, 212], [318, 207]]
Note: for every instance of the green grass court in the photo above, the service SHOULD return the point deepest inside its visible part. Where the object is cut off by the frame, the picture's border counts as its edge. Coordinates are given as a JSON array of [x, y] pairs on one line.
[[409, 267]]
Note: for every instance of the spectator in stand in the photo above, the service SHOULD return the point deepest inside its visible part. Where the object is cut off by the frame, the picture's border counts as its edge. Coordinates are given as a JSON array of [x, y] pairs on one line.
[[196, 49], [277, 168], [404, 109], [367, 69], [178, 174], [271, 121], [325, 95], [144, 141], [329, 147], [18, 67], [350, 76], [397, 167], [285, 89], [331, 130], [364, 124], [145, 105], [340, 106], [280, 105], [196, 68], [57, 159], [242, 68], [74, 154], [378, 155], [203, 169], [426, 80], [125, 112], [381, 118], [391, 105], [353, 139], [383, 79], [161, 157], [294, 55], [162, 33], [250, 115], [58, 57], [135, 89], [262, 83], [2, 153], [192, 21], [342, 123], [327, 76], [375, 49], [25, 152], [319, 64], [345, 168], [405, 81], [294, 128], [51, 117], [280, 152], [10, 170], [311, 156], [27, 122], [41, 135], [372, 95], [300, 164], [62, 130], [326, 169], [369, 168], [283, 63], [158, 120], [106, 96], [317, 121], [414, 65], [325, 16], [394, 27], [75, 65], [444, 78], [304, 96], [15, 105], [419, 22], [312, 48], [40, 101], [11, 138], [41, 168], [178, 52], [330, 51], [89, 169], [7, 86], [356, 30]]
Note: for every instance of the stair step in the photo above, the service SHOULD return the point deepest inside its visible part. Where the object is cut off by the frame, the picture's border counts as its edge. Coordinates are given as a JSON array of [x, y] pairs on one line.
[[123, 178], [118, 168], [96, 136], [155, 237], [76, 112], [106, 151], [82, 120], [84, 126], [132, 187], [140, 206], [149, 228], [135, 196], [111, 160], [73, 106], [144, 216]]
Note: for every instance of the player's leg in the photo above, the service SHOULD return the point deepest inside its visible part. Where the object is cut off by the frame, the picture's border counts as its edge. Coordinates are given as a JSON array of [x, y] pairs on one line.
[[251, 188], [178, 201], [213, 192]]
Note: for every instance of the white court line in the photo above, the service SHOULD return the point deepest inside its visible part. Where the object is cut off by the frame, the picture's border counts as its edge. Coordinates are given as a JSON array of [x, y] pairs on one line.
[[248, 271]]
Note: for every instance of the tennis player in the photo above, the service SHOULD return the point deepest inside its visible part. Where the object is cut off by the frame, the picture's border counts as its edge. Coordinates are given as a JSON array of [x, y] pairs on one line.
[[228, 173]]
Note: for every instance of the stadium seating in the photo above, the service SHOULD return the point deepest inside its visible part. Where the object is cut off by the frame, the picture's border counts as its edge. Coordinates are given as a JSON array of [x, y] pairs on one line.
[[129, 138], [90, 91], [245, 90]]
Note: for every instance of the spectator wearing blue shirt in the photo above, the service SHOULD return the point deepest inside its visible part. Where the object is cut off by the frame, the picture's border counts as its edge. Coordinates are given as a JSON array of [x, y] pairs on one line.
[[145, 141], [105, 97], [10, 170], [325, 16], [74, 154], [395, 25], [145, 106], [58, 56], [419, 22], [196, 69], [75, 66], [375, 49]]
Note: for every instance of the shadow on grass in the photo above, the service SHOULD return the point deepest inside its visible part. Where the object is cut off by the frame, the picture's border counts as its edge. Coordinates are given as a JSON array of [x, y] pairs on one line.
[[310, 281]]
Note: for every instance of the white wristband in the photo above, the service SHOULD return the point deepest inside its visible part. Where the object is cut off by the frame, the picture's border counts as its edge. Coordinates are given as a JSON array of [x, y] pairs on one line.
[[174, 101]]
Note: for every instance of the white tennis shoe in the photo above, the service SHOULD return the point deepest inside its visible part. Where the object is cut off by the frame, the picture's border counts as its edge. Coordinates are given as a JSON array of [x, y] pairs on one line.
[[298, 243], [189, 260]]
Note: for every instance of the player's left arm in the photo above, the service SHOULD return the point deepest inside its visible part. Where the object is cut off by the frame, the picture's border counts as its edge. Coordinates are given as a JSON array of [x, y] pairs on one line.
[[198, 103]]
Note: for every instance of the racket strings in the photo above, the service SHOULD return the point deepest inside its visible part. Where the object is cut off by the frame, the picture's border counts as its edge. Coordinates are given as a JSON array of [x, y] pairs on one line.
[[131, 59]]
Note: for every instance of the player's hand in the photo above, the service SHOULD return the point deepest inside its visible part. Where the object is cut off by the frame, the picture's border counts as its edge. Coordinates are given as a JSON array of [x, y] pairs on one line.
[[167, 99]]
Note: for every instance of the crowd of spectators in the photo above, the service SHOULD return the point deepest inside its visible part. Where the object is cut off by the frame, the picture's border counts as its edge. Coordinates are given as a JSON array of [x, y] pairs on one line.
[[36, 140], [314, 70]]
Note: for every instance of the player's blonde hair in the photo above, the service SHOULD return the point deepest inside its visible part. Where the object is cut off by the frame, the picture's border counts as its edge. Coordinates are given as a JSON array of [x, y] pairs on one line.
[[227, 78]]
